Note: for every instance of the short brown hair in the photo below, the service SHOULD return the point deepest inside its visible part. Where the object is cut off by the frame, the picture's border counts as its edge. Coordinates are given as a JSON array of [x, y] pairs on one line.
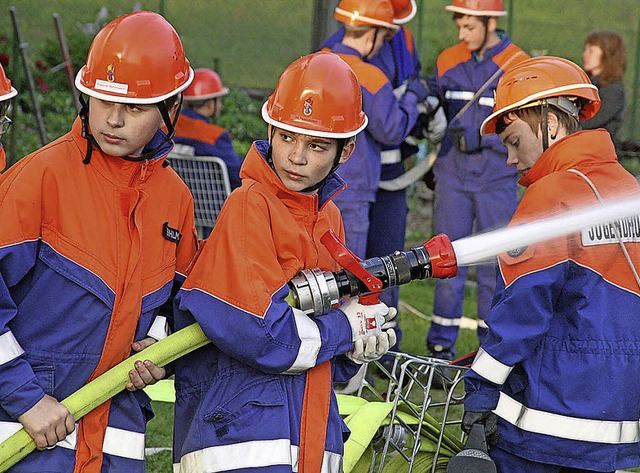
[[533, 117]]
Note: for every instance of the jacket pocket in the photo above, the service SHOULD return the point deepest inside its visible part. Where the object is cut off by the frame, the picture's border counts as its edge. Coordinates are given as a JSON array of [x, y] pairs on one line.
[[44, 376], [256, 402]]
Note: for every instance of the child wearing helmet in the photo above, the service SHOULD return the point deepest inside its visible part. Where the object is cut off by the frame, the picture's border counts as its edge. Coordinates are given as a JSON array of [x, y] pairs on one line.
[[368, 26], [7, 92], [260, 396], [399, 60], [96, 234], [195, 134], [557, 376], [474, 190]]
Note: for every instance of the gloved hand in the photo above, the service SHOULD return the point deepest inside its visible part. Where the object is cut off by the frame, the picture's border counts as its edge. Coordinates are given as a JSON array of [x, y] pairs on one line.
[[366, 320], [373, 348], [419, 88], [437, 125], [488, 419]]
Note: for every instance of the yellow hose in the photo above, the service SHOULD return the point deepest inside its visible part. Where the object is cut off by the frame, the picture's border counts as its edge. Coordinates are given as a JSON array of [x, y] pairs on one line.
[[107, 385]]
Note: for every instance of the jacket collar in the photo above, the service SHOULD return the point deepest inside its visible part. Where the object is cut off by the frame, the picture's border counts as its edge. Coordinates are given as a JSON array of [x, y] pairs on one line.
[[187, 112], [584, 148], [118, 170], [256, 167]]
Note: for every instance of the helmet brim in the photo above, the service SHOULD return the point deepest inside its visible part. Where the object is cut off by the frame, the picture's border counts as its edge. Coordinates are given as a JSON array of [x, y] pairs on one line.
[[466, 11], [488, 126], [408, 17], [306, 131], [9, 95], [112, 96]]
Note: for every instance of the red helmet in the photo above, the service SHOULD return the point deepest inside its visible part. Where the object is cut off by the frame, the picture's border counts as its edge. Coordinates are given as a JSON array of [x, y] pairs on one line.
[[403, 11], [6, 90], [206, 85], [136, 58], [543, 77], [372, 13], [317, 95], [477, 7]]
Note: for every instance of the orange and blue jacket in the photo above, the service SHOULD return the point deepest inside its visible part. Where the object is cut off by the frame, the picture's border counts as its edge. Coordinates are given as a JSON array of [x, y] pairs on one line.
[[208, 139], [89, 254], [391, 120], [561, 363], [239, 401], [459, 74]]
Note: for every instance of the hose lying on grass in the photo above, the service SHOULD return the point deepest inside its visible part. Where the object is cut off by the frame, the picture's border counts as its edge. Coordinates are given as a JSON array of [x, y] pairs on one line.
[[364, 418], [107, 385]]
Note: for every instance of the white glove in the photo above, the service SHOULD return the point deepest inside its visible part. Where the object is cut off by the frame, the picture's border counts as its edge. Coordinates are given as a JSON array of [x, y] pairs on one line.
[[437, 127], [373, 347], [366, 320]]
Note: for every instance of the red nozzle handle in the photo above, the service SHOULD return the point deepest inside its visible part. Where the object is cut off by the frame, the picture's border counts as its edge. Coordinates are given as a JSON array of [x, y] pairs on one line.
[[443, 258], [349, 261]]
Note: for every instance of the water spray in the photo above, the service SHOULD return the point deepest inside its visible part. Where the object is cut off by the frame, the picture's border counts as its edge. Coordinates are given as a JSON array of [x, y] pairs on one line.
[[315, 292]]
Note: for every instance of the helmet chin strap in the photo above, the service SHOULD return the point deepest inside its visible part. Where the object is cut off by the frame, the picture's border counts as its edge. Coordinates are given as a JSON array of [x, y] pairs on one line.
[[164, 111], [375, 38], [545, 125]]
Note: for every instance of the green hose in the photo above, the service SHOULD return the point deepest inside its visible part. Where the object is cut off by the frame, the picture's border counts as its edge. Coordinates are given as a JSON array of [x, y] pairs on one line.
[[107, 385]]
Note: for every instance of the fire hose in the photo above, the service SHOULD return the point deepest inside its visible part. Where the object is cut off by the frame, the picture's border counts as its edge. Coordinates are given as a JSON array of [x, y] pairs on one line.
[[314, 291]]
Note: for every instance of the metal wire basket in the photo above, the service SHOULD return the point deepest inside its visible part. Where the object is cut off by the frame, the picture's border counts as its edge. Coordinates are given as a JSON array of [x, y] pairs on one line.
[[427, 391], [208, 179]]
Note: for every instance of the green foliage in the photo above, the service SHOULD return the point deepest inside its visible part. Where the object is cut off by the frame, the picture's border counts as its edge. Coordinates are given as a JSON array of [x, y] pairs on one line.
[[241, 117], [78, 45]]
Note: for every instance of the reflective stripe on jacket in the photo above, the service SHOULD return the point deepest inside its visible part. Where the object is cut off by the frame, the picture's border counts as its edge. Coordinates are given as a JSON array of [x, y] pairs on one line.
[[245, 391], [88, 255], [561, 363], [459, 75]]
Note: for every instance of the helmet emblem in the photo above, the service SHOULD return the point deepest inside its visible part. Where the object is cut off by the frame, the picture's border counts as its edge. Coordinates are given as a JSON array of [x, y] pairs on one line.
[[111, 75], [307, 106]]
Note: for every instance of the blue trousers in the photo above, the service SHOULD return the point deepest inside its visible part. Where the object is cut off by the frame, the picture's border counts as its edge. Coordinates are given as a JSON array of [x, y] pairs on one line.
[[458, 212], [387, 228]]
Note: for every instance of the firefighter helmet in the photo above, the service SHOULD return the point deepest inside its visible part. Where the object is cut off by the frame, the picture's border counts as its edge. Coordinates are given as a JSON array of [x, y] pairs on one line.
[[371, 13], [317, 95], [543, 77], [403, 11], [136, 58], [206, 85], [6, 90], [477, 7]]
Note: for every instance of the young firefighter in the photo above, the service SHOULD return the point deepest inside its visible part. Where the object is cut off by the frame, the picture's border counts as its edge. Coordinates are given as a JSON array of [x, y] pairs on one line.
[[260, 397], [475, 191], [369, 24], [399, 60], [203, 103], [559, 369], [95, 234], [7, 92]]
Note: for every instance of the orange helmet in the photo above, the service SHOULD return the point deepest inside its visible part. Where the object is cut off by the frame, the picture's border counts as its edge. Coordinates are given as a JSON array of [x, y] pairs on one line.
[[477, 7], [543, 77], [317, 95], [6, 90], [136, 58], [403, 11], [372, 13], [206, 85]]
